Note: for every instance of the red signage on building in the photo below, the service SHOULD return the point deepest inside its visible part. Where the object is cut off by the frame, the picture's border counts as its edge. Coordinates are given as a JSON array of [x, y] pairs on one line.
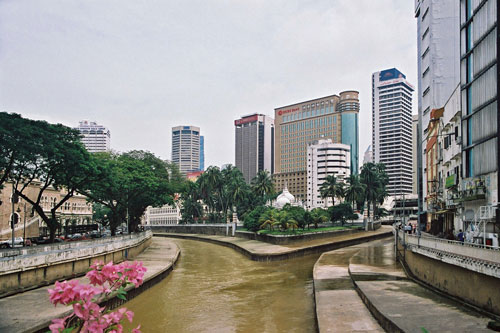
[[246, 120], [282, 112]]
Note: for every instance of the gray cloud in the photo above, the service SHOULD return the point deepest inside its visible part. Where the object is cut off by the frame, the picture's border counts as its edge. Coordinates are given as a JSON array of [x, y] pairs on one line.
[[142, 67]]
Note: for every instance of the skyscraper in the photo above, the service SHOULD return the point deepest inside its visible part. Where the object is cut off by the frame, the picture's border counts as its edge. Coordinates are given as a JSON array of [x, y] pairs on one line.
[[392, 128], [480, 110], [186, 148], [96, 138], [299, 125], [202, 153], [254, 149], [438, 60], [325, 158]]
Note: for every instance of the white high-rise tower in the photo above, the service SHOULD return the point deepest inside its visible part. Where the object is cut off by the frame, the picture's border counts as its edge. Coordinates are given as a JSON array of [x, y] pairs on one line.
[[392, 128], [96, 138]]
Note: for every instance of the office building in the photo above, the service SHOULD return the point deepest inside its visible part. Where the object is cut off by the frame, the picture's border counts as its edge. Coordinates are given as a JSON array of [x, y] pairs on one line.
[[392, 128], [438, 66], [96, 138], [254, 148], [368, 157], [186, 148], [298, 125], [478, 84], [202, 153], [414, 150], [325, 158]]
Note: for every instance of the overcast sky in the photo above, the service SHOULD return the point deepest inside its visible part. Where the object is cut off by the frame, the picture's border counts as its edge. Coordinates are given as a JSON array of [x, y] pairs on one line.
[[142, 67]]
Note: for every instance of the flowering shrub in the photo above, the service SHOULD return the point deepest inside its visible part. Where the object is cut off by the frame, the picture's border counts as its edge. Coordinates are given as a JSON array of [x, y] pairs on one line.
[[87, 315]]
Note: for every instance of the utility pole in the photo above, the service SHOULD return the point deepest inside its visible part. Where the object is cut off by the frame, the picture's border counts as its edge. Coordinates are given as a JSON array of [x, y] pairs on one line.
[[24, 235], [12, 217]]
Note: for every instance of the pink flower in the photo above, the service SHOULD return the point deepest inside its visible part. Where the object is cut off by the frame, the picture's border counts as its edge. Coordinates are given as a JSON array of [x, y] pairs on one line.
[[57, 325], [137, 329], [87, 315]]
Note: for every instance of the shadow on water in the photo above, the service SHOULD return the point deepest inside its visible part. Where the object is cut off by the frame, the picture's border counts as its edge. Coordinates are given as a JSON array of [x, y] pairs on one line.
[[216, 289]]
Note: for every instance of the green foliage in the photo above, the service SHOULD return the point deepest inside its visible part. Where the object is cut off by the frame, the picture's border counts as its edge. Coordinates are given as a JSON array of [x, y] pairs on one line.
[[45, 155], [375, 179], [128, 183], [192, 210], [354, 191], [331, 188], [262, 185], [251, 221], [318, 215], [341, 212]]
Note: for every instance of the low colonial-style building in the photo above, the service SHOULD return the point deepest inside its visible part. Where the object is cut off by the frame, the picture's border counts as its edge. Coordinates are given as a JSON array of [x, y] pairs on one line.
[[77, 211]]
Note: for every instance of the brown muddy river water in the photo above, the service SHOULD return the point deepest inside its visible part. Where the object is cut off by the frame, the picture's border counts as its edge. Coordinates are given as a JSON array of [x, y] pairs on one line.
[[216, 289]]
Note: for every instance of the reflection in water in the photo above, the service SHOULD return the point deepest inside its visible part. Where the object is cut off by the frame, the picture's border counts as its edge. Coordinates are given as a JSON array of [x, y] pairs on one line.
[[216, 289]]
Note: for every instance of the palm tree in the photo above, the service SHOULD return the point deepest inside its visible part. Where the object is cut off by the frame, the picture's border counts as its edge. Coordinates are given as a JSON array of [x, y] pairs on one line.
[[318, 216], [374, 177], [262, 184], [331, 188], [369, 179], [354, 191]]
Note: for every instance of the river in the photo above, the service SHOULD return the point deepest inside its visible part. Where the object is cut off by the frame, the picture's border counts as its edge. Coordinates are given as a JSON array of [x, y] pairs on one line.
[[216, 289]]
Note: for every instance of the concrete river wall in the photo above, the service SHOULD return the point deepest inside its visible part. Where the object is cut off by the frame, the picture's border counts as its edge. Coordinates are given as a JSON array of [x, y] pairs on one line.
[[467, 272], [24, 269]]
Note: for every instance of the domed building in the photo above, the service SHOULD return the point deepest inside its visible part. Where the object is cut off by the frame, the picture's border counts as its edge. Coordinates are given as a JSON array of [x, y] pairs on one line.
[[285, 198]]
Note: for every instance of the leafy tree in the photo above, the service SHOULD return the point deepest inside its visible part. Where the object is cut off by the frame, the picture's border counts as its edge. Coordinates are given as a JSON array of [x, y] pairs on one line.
[[341, 213], [296, 214], [251, 220], [355, 190], [318, 216], [375, 179], [55, 159], [331, 188], [128, 183], [19, 143], [263, 185], [192, 210]]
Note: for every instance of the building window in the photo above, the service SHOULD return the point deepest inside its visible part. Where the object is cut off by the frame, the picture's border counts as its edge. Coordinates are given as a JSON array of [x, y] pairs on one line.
[[425, 72], [426, 91], [425, 14], [425, 33], [425, 52]]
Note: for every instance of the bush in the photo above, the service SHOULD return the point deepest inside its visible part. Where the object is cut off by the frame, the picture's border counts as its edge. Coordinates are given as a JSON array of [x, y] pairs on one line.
[[340, 212], [251, 220]]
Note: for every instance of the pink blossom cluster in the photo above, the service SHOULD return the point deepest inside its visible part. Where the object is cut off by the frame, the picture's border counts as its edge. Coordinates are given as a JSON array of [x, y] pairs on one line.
[[126, 272], [87, 315]]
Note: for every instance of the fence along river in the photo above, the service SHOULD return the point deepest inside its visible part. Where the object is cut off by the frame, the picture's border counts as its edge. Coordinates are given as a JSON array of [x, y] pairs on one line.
[[216, 289]]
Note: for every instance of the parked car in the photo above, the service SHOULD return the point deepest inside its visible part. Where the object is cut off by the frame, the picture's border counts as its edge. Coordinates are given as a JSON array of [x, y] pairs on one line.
[[7, 243]]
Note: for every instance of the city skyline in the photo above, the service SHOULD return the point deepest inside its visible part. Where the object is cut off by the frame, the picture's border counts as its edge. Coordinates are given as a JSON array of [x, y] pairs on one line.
[[136, 73]]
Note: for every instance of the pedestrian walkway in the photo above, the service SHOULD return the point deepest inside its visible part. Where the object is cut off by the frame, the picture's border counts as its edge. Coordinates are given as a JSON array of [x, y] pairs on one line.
[[400, 304], [262, 251], [338, 306], [32, 311]]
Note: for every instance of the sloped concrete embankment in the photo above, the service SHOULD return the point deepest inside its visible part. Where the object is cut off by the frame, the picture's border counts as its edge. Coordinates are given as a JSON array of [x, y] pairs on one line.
[[40, 266], [37, 311], [260, 251], [401, 305], [338, 306]]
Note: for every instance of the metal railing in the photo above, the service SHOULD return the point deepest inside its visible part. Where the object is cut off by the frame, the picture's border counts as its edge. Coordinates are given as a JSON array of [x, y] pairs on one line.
[[455, 248]]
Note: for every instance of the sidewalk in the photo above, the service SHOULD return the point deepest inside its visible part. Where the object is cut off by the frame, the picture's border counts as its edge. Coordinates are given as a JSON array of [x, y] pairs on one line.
[[403, 305], [261, 251], [338, 306], [32, 311]]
